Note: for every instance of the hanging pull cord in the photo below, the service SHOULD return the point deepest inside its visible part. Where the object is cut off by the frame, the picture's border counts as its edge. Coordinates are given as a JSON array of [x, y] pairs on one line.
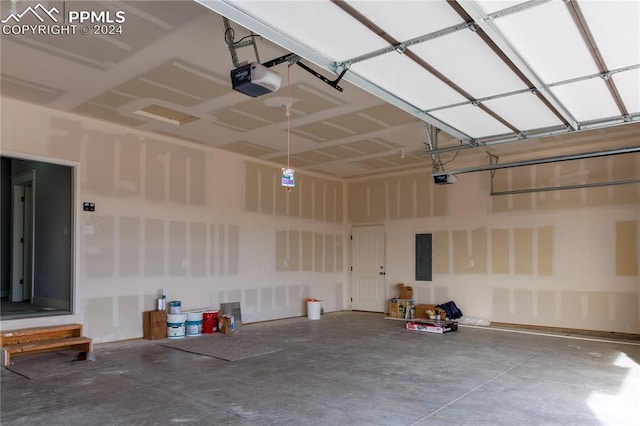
[[288, 113]]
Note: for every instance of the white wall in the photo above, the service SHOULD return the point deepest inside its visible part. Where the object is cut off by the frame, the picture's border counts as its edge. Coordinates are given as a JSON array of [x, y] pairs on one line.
[[169, 214], [569, 280], [160, 201]]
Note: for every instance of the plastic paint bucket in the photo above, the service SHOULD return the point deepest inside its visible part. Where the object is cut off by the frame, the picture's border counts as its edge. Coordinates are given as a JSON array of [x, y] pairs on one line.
[[313, 310], [176, 326], [209, 321], [175, 307], [194, 323]]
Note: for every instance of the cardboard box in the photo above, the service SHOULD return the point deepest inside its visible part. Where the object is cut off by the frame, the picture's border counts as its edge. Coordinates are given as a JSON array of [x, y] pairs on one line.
[[397, 307], [232, 308], [227, 325], [406, 292], [154, 325], [422, 308]]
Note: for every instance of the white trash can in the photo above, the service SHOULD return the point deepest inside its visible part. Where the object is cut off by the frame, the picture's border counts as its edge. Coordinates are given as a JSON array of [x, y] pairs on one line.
[[313, 310]]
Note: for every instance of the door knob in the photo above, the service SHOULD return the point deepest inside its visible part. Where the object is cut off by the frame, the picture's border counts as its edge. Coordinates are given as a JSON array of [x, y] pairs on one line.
[[382, 273]]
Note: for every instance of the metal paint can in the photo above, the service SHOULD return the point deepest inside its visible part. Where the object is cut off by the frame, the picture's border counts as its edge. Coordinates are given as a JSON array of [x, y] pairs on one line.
[[175, 307]]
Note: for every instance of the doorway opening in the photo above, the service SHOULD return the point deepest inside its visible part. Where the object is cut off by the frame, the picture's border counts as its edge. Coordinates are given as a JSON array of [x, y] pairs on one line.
[[36, 238]]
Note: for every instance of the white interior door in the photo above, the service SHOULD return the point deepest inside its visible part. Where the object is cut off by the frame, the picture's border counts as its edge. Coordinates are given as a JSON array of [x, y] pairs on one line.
[[17, 251], [368, 269], [27, 257], [22, 250]]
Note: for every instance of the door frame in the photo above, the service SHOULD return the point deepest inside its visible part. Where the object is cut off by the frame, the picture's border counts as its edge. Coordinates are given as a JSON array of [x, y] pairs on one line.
[[74, 226]]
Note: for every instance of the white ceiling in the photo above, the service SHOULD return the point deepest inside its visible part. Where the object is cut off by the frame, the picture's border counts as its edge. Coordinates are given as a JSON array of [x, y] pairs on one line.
[[508, 78]]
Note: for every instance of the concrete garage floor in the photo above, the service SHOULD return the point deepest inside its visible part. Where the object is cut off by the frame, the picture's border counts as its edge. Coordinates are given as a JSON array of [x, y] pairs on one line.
[[347, 368]]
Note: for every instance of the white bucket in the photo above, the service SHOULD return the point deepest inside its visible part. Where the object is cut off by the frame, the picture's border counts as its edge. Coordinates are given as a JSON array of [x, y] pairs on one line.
[[194, 323], [313, 310], [175, 326]]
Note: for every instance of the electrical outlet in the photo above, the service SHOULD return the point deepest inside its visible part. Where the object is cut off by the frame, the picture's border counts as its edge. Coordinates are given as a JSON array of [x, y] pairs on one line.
[[185, 263], [89, 230]]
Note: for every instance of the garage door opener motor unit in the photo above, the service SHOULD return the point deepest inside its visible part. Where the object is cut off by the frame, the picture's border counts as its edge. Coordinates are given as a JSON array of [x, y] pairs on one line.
[[255, 79]]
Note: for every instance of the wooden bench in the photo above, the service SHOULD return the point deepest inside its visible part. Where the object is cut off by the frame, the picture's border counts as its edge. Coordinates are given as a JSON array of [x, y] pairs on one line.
[[44, 339]]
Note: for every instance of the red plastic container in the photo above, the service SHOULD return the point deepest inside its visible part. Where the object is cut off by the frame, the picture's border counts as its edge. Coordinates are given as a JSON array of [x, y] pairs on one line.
[[209, 321]]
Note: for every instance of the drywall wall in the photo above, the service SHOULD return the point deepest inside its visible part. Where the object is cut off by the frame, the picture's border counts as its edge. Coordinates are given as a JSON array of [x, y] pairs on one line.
[[176, 215], [588, 171], [212, 227], [403, 196], [558, 259]]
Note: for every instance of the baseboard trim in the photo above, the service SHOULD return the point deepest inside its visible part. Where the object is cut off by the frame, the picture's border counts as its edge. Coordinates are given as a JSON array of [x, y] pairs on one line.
[[567, 331]]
